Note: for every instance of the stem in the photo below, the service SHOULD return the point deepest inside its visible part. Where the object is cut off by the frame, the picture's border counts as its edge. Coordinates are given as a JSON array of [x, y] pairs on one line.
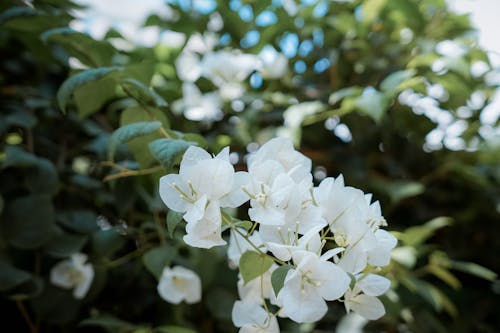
[[129, 173], [126, 258], [159, 228], [281, 262], [33, 328]]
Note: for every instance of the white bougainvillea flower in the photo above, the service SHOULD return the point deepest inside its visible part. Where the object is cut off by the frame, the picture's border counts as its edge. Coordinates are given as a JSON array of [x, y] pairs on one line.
[[274, 64], [200, 196], [227, 70], [197, 106], [179, 284], [282, 151], [362, 299], [381, 254], [258, 289], [239, 245], [308, 286], [283, 243], [206, 232], [252, 318], [73, 273]]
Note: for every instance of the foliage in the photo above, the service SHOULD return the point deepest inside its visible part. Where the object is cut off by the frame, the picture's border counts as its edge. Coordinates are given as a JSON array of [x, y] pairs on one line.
[[87, 180]]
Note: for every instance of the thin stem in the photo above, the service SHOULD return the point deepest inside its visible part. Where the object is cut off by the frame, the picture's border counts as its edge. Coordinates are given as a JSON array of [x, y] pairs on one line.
[[281, 262], [33, 328], [126, 258], [130, 173]]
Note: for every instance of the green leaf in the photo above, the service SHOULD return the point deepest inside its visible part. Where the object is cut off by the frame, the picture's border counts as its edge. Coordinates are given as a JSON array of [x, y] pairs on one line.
[[173, 219], [81, 221], [29, 221], [106, 242], [16, 156], [11, 276], [417, 235], [253, 264], [109, 323], [445, 276], [474, 269], [391, 83], [143, 93], [138, 146], [65, 245], [129, 132], [402, 189], [340, 94], [70, 85], [372, 103], [89, 51], [372, 9], [168, 151], [278, 277], [155, 260], [90, 97]]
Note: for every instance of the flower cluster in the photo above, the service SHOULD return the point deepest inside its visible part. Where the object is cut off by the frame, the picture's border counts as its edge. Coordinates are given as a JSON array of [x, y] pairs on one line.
[[325, 241], [227, 69]]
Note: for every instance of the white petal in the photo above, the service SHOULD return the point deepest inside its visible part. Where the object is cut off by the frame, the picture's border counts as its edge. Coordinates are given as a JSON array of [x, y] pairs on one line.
[[196, 211], [333, 281], [367, 306], [301, 305], [59, 274], [191, 157], [170, 196], [237, 196], [247, 312], [373, 285], [86, 281]]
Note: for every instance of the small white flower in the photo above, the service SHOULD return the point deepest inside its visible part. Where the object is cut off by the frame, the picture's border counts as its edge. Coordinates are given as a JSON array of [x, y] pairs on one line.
[[73, 273], [203, 185], [252, 318], [274, 64], [227, 70], [179, 284], [197, 106], [308, 286], [367, 304]]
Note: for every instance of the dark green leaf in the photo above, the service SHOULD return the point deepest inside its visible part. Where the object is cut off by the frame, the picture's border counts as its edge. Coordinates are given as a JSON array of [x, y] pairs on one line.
[[278, 277], [106, 242], [143, 93], [70, 85], [65, 245], [168, 151], [129, 132], [11, 276], [173, 219], [158, 258], [29, 221]]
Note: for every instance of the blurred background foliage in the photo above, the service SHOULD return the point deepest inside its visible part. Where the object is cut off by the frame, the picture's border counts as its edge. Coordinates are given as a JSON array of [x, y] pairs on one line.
[[371, 92]]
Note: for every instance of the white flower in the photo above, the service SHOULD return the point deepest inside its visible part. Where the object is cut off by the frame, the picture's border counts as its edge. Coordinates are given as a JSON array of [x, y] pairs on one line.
[[203, 185], [179, 284], [367, 304], [252, 318], [381, 254], [274, 64], [73, 273], [197, 106], [281, 150], [227, 70], [258, 289], [308, 286]]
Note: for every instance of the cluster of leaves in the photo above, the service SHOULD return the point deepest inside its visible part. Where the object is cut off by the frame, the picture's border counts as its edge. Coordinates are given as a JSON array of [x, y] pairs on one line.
[[119, 128]]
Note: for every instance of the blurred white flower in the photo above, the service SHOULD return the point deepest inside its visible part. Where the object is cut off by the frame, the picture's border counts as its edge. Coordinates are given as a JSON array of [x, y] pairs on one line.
[[252, 318], [197, 106], [274, 64], [73, 273], [227, 70], [179, 284]]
